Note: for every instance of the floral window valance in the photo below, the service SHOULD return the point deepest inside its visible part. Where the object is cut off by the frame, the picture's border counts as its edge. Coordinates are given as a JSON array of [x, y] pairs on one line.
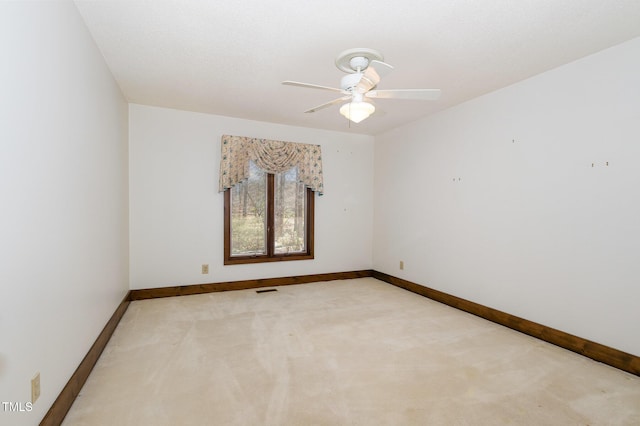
[[272, 157]]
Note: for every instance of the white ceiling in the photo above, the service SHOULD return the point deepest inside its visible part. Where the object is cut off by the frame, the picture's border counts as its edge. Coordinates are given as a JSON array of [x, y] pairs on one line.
[[229, 58]]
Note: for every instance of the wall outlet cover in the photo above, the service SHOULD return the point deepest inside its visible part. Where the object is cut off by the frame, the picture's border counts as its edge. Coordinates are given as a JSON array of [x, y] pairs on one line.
[[35, 388]]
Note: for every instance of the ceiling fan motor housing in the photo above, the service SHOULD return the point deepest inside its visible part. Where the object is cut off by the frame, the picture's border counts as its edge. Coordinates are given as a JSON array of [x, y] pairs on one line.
[[350, 81]]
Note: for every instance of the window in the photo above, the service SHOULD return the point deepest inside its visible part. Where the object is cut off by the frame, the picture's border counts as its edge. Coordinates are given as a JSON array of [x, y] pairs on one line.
[[268, 217], [269, 188]]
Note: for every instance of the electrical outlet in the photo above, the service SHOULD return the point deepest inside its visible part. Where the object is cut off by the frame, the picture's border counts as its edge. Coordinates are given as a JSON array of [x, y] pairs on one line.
[[401, 265], [205, 269], [35, 388]]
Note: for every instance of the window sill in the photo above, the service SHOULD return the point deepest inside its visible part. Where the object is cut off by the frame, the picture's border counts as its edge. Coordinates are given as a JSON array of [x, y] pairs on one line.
[[240, 260]]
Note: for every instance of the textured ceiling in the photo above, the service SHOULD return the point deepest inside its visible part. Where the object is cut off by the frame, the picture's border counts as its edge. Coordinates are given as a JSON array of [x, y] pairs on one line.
[[229, 58]]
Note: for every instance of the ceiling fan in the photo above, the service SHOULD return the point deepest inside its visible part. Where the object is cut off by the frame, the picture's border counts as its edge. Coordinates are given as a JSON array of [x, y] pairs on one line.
[[364, 68]]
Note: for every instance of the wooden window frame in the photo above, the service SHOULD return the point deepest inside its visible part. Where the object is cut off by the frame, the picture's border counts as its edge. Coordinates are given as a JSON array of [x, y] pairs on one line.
[[270, 256]]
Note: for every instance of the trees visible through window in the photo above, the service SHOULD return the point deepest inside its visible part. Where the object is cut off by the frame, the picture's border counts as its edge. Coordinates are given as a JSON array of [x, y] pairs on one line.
[[268, 217]]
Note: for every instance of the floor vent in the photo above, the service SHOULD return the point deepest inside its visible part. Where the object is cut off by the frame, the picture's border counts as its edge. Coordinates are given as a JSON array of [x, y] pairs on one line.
[[267, 290]]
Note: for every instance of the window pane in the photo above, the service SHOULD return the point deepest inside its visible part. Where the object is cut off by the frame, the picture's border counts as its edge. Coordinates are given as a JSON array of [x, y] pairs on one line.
[[289, 212], [249, 215]]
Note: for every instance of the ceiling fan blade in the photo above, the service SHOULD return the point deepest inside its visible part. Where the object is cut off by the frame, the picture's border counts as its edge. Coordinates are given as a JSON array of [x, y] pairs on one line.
[[372, 75], [328, 104], [310, 86], [367, 82], [416, 94], [382, 68]]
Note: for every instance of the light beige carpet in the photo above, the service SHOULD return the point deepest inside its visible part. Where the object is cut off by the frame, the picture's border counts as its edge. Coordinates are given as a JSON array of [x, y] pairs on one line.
[[353, 352]]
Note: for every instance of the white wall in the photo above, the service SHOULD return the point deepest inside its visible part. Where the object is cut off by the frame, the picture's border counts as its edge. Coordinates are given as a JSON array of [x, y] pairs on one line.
[[63, 195], [176, 212], [531, 228]]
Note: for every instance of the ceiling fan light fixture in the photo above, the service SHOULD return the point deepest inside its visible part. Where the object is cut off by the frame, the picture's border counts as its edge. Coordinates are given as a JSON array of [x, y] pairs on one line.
[[357, 111], [365, 68]]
